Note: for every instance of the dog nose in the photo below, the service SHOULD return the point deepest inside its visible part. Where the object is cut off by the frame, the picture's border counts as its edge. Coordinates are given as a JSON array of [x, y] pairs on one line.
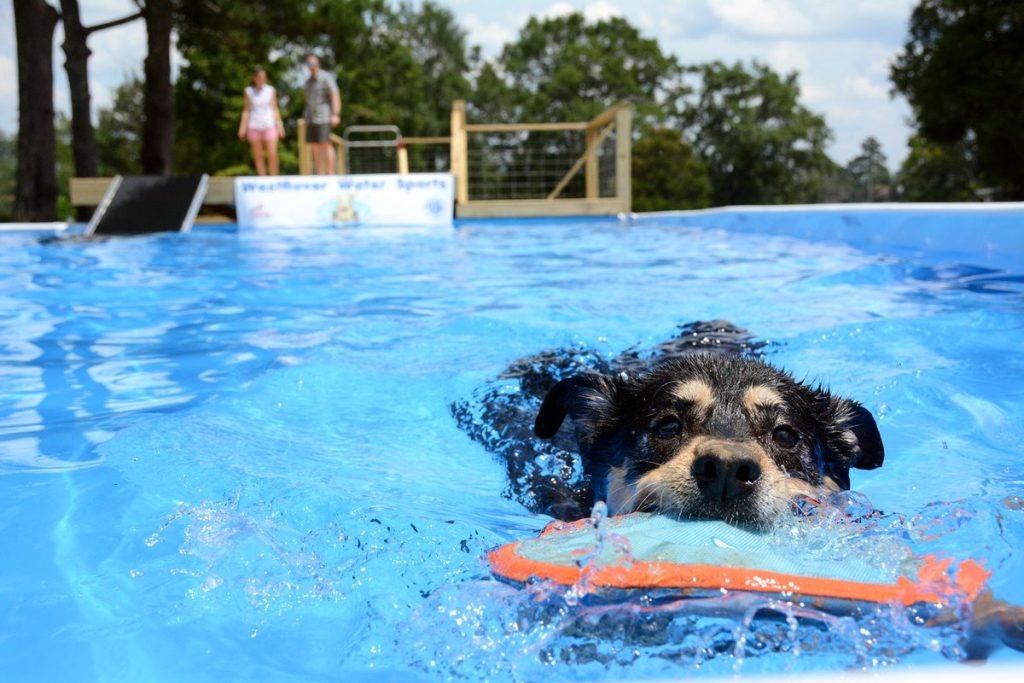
[[725, 475]]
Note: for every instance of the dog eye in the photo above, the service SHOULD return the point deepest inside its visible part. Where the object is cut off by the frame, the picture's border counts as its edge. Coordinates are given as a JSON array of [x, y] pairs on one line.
[[667, 427], [785, 436]]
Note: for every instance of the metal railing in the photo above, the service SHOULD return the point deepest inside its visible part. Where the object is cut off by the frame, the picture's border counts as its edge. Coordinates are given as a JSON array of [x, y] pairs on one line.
[[388, 153]]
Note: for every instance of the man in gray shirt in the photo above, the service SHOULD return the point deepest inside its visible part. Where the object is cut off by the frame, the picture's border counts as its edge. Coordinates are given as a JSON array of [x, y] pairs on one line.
[[322, 113]]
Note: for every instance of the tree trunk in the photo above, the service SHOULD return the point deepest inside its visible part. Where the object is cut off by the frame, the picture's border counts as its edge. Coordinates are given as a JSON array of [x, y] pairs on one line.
[[76, 64], [36, 195], [158, 128]]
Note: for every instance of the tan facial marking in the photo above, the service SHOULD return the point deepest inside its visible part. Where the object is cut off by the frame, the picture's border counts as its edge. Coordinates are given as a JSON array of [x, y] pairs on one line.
[[760, 396], [696, 392], [672, 489]]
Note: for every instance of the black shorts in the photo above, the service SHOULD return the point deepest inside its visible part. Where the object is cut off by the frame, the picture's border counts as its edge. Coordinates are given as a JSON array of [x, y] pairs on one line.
[[318, 132]]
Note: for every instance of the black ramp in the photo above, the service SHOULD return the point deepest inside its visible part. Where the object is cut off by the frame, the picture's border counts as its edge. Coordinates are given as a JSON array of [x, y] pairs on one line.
[[135, 205]]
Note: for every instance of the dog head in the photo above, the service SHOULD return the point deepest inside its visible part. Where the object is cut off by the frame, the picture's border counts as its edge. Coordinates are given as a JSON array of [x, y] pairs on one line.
[[711, 437]]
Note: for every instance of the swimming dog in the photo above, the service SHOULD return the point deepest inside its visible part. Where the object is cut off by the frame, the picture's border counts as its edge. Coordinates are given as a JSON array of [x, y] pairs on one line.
[[697, 427], [711, 437]]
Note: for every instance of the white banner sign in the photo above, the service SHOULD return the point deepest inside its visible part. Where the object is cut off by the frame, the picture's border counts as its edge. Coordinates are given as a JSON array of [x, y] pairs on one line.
[[415, 199]]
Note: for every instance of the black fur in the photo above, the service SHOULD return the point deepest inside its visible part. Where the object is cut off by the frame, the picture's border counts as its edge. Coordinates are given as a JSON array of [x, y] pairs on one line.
[[618, 423], [547, 475]]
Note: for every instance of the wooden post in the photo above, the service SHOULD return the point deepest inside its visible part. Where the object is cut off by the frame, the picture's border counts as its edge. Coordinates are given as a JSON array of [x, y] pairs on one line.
[[340, 165], [624, 157], [590, 171], [403, 158], [460, 152], [305, 164]]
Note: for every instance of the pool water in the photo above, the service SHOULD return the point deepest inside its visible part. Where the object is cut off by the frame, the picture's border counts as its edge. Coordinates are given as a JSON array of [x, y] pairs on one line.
[[230, 455]]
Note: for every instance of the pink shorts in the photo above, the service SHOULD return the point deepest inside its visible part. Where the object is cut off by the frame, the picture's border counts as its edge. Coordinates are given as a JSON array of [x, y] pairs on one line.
[[261, 134]]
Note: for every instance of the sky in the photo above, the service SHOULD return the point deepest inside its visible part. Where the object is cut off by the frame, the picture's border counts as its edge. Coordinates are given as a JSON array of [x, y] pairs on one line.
[[841, 50]]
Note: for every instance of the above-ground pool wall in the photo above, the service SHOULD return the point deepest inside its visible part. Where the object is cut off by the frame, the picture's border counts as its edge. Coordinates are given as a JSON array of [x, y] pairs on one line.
[[993, 232]]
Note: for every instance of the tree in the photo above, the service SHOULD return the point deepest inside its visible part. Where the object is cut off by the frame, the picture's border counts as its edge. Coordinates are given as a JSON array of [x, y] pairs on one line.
[[8, 174], [438, 46], [962, 70], [837, 185], [76, 64], [158, 127], [667, 175], [869, 174], [400, 67], [566, 69], [36, 193], [760, 145], [221, 44], [119, 130], [937, 172], [64, 167]]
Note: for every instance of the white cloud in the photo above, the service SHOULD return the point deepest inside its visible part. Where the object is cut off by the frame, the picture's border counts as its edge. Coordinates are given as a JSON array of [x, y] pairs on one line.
[[600, 11], [491, 36], [646, 22], [814, 96], [559, 9], [763, 17], [789, 56]]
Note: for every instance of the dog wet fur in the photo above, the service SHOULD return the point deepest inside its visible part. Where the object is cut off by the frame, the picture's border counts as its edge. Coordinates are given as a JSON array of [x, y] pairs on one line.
[[699, 427]]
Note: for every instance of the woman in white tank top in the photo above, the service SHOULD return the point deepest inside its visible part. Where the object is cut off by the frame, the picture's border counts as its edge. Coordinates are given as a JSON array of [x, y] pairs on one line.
[[261, 122]]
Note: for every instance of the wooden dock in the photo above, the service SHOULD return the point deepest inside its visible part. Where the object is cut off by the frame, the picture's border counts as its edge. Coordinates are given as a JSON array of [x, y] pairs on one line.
[[220, 197]]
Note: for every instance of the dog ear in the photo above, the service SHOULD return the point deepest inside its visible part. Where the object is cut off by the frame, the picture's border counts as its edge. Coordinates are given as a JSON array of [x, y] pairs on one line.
[[587, 399], [869, 453], [853, 435]]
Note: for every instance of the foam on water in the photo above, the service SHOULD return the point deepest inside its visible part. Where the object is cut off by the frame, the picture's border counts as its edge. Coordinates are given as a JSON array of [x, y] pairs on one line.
[[231, 456]]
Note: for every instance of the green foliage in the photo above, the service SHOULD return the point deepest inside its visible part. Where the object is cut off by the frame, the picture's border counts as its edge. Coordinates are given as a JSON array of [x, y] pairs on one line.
[[405, 63], [439, 48], [835, 185], [962, 69], [869, 175], [65, 168], [937, 172], [8, 171], [222, 44], [666, 175], [760, 145], [119, 130], [402, 67], [566, 69]]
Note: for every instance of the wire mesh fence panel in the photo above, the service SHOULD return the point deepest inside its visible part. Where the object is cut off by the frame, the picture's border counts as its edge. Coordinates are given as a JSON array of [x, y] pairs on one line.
[[372, 149], [606, 168], [532, 164], [429, 158], [525, 165], [372, 160]]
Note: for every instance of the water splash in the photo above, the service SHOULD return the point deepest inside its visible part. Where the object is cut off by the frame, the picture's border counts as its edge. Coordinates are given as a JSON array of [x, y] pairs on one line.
[[544, 630], [609, 549]]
